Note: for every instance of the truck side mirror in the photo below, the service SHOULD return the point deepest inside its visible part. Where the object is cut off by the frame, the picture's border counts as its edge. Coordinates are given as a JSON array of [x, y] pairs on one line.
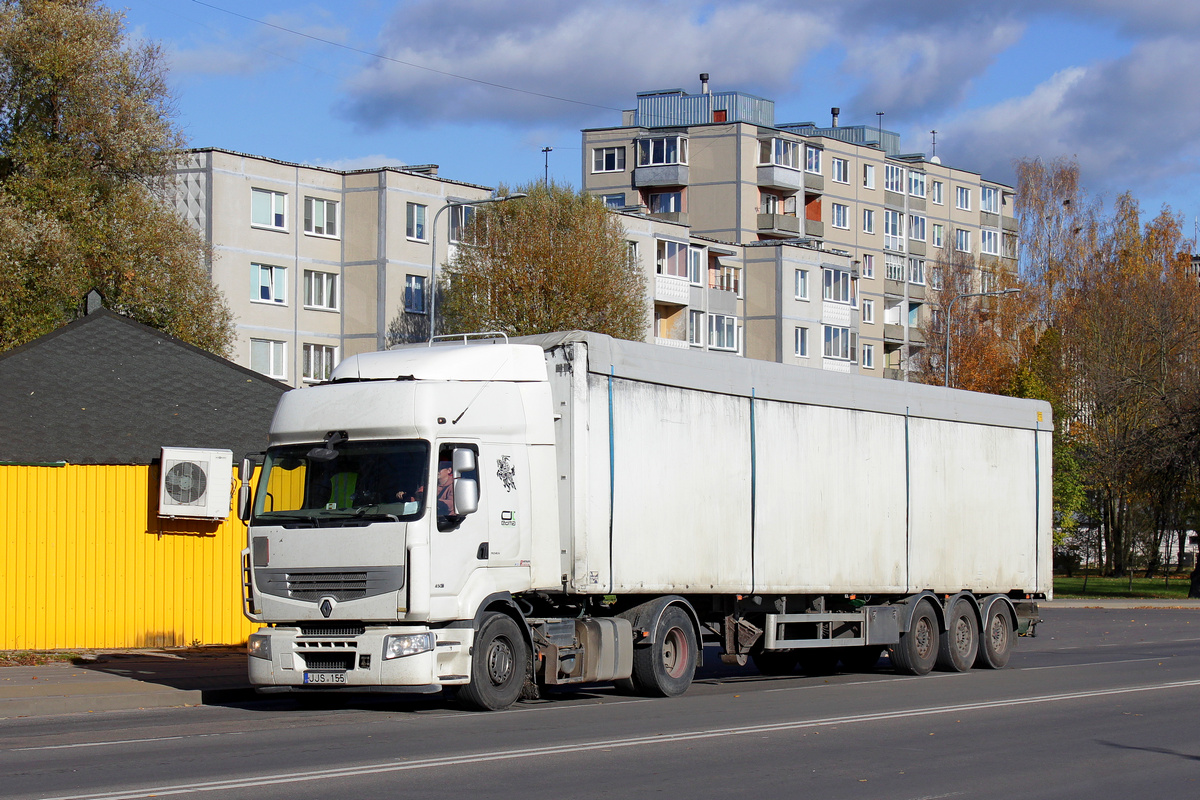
[[464, 460], [245, 474], [466, 495]]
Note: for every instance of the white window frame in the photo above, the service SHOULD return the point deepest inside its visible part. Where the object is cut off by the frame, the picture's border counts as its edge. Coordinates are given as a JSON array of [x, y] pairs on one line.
[[416, 222], [937, 235], [801, 284], [812, 159], [418, 286], [868, 356], [989, 241], [326, 211], [722, 328], [608, 159], [837, 286], [962, 198], [276, 284], [696, 328], [840, 343], [840, 216], [276, 209], [962, 240], [916, 227], [916, 183], [779, 152], [893, 178], [320, 290], [318, 362], [989, 199], [613, 201], [868, 311], [936, 192], [868, 176], [674, 204], [868, 220], [895, 267], [916, 271], [935, 277], [840, 168], [801, 341], [276, 353], [893, 230], [672, 258], [868, 265], [460, 218], [768, 203], [697, 259], [653, 151]]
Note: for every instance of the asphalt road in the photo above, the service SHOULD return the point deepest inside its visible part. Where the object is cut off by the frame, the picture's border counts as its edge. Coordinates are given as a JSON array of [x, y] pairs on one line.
[[1101, 704]]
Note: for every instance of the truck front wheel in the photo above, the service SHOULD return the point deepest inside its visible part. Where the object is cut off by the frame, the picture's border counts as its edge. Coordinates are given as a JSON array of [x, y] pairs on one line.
[[499, 659], [665, 668]]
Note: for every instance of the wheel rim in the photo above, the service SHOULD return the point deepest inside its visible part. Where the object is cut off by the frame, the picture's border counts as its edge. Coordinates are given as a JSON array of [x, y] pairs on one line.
[[500, 661], [998, 634], [962, 635], [923, 638], [675, 653]]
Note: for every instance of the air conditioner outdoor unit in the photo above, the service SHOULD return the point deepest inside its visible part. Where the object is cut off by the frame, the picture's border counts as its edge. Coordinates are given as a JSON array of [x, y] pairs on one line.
[[195, 483]]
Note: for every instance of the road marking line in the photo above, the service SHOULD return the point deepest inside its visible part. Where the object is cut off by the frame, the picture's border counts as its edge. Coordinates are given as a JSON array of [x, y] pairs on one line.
[[583, 747], [119, 741], [1096, 663]]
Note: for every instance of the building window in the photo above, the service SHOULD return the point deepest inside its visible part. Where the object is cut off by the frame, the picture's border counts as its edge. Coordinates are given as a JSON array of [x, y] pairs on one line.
[[838, 286], [935, 277], [895, 268], [319, 361], [632, 253], [415, 217], [269, 357], [696, 328], [781, 152], [615, 201], [268, 284], [460, 219], [672, 259], [320, 290], [268, 209], [812, 159], [916, 227], [989, 242], [916, 271], [841, 216], [868, 265], [725, 278], [989, 199], [801, 284], [987, 281], [893, 179], [722, 332], [608, 159], [802, 342], [916, 184], [963, 198], [868, 176], [666, 202], [1010, 243], [893, 236], [414, 294], [938, 235], [935, 192], [841, 170], [840, 343], [868, 220], [868, 311], [868, 356], [768, 203], [662, 150], [696, 261], [320, 217], [962, 240]]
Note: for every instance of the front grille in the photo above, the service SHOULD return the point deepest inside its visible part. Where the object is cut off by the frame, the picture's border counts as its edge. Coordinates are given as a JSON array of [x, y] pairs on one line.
[[338, 585], [328, 660], [332, 629], [311, 585]]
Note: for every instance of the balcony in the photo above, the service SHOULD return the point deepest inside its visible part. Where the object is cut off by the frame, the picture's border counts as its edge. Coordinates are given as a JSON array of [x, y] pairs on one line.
[[672, 290], [814, 182], [779, 224], [814, 228], [773, 177], [679, 217], [676, 343], [893, 333], [665, 175]]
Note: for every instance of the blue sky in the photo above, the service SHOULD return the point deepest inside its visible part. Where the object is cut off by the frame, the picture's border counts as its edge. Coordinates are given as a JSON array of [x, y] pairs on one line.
[[1111, 83]]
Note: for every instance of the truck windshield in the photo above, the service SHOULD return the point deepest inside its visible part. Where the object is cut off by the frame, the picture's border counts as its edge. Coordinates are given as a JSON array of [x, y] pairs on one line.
[[365, 481]]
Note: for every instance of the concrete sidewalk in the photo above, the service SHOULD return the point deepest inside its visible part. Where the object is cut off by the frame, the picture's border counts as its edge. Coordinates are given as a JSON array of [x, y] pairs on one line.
[[133, 679]]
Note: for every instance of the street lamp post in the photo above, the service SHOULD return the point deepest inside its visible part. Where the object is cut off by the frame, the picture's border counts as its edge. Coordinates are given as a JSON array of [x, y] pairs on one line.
[[950, 308], [433, 248]]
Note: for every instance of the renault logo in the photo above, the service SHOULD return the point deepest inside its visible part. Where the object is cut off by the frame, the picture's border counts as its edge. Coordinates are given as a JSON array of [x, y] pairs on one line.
[[327, 604]]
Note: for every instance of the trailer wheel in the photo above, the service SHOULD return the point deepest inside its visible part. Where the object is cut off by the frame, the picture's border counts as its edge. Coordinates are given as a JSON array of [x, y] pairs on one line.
[[776, 662], [916, 652], [959, 644], [995, 645], [498, 665], [666, 667]]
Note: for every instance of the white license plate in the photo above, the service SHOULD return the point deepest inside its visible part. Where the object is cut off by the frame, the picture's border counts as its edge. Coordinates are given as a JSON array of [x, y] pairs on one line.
[[324, 677]]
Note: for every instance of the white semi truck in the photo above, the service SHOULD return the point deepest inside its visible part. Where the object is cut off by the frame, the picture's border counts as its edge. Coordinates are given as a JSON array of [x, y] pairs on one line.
[[490, 516]]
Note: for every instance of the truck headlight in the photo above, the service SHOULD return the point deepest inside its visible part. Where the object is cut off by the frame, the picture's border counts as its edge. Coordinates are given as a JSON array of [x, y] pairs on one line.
[[259, 646], [398, 645]]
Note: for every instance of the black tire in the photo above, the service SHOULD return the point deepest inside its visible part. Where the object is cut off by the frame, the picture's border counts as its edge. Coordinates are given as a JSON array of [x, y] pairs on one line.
[[959, 643], [916, 652], [500, 660], [776, 662], [996, 639], [665, 667], [860, 659]]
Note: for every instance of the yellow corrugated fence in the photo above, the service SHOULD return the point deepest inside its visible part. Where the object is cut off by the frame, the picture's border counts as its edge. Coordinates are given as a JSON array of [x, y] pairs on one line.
[[86, 562]]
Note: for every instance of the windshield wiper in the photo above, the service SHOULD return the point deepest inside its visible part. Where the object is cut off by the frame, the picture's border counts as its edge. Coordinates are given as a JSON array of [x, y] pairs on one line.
[[276, 516]]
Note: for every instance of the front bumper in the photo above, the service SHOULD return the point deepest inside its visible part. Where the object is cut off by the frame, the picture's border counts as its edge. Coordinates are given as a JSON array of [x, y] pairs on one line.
[[356, 662]]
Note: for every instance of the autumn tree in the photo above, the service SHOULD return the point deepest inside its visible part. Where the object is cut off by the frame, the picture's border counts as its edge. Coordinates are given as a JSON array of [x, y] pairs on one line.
[[87, 153], [554, 260]]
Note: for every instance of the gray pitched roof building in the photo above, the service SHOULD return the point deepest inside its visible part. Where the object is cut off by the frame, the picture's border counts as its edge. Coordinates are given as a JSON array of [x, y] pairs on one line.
[[107, 390]]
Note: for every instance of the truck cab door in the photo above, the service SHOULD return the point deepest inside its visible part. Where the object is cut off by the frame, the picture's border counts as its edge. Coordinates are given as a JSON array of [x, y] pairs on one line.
[[458, 542]]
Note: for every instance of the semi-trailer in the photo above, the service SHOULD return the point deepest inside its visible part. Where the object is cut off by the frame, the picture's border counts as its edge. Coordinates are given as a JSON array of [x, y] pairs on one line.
[[489, 516]]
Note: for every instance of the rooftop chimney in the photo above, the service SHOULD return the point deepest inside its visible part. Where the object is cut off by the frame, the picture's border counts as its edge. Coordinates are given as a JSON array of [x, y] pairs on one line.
[[835, 111], [703, 83]]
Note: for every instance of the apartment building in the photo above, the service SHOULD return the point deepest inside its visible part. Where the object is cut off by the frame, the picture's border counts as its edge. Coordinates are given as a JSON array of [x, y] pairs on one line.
[[718, 162], [316, 263]]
